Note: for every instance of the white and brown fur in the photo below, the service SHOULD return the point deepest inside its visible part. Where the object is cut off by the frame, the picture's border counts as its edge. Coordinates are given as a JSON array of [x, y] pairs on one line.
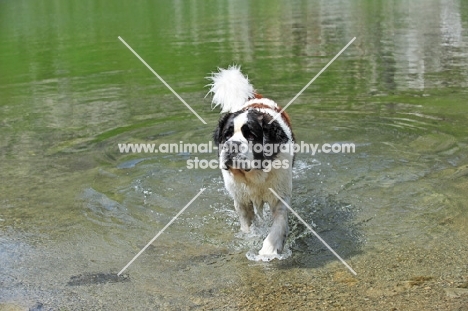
[[247, 116]]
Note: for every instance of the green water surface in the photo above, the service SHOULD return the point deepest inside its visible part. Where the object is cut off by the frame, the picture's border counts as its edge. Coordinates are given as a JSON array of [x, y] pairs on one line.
[[74, 210]]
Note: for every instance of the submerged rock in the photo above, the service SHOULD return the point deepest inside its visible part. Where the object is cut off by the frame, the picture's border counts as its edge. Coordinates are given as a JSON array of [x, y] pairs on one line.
[[96, 278]]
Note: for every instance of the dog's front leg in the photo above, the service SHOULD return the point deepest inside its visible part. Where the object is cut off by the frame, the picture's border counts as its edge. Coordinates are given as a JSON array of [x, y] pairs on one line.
[[275, 240], [246, 214]]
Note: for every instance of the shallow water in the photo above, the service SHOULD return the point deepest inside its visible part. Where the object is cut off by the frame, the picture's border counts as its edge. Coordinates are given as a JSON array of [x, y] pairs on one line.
[[74, 210]]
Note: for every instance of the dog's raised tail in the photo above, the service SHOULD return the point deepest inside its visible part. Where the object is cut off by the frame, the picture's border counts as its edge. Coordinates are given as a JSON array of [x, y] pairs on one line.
[[230, 89]]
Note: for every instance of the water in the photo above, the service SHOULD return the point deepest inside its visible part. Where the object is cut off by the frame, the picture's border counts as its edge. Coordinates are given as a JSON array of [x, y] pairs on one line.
[[74, 211]]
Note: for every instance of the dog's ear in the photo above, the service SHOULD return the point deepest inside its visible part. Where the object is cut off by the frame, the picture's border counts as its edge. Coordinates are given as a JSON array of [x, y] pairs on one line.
[[219, 129], [273, 133], [216, 134]]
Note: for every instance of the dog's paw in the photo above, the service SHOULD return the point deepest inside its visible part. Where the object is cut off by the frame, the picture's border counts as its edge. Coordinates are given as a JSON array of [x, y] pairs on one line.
[[268, 249], [273, 244], [245, 228], [252, 255]]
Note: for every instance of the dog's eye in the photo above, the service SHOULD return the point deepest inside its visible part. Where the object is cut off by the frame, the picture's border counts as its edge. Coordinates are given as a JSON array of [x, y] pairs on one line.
[[227, 134]]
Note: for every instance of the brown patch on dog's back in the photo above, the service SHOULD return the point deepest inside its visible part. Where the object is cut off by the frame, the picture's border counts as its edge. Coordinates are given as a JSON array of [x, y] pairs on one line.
[[284, 115]]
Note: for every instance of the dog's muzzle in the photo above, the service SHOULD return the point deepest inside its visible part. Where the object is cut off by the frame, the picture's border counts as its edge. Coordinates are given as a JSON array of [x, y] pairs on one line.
[[233, 156]]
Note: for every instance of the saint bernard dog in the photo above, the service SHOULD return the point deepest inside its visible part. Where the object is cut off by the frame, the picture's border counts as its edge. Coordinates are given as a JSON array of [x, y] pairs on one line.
[[254, 154]]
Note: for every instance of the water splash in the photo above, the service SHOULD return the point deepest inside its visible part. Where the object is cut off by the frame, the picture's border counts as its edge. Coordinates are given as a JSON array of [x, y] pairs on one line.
[[252, 255]]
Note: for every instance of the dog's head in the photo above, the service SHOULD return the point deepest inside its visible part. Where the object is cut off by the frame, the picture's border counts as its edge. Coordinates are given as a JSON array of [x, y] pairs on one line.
[[245, 139]]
